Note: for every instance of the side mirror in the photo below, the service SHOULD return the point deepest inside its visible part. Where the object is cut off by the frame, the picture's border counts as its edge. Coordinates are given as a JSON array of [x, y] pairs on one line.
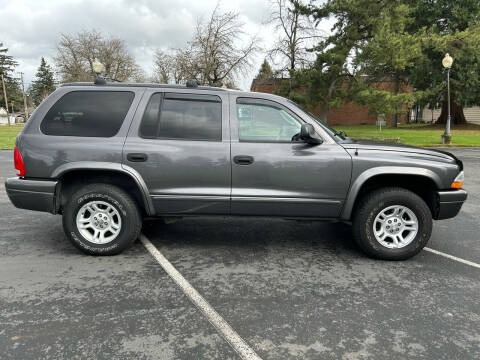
[[307, 134]]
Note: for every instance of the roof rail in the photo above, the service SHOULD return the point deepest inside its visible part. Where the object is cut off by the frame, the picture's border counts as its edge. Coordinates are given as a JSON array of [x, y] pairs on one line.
[[147, 85]]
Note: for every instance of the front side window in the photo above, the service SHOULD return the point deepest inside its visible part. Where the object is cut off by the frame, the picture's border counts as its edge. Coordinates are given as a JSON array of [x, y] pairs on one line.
[[183, 116], [88, 113], [265, 121]]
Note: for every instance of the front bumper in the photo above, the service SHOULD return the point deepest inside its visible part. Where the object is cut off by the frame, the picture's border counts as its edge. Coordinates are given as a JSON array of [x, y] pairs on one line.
[[36, 195], [449, 203]]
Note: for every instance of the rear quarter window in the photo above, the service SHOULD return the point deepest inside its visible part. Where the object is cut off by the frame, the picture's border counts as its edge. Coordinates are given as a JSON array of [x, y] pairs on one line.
[[88, 113]]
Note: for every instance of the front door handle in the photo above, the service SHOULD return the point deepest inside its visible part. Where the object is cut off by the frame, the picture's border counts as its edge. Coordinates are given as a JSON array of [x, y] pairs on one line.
[[137, 157], [243, 159]]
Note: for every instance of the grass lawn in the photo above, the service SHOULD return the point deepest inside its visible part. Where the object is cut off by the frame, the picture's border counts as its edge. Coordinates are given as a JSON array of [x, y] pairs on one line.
[[415, 134], [8, 135]]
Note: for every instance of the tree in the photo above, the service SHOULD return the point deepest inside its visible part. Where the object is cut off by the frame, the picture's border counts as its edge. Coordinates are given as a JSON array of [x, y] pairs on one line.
[[7, 63], [44, 83], [401, 42], [76, 54], [370, 49], [214, 57], [7, 68], [388, 57], [296, 34], [453, 27], [265, 71], [168, 68], [329, 81]]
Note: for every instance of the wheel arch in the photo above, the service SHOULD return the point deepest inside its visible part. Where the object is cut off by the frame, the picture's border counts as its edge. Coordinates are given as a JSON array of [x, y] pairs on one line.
[[421, 181], [74, 175]]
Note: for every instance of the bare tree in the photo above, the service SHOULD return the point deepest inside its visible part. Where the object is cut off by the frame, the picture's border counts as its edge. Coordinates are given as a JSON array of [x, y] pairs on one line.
[[76, 54], [168, 68], [296, 33], [214, 56]]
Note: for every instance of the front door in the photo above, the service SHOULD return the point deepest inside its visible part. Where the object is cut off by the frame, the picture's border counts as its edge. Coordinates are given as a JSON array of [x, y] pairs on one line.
[[180, 145], [275, 175]]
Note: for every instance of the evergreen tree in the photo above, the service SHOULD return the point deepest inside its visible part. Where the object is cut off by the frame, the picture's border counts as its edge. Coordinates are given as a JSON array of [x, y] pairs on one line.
[[332, 80], [265, 72], [43, 84], [386, 60], [7, 63], [397, 41], [453, 26], [7, 67]]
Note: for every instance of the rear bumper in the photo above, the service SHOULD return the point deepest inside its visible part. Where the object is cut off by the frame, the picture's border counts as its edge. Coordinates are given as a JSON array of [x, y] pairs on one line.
[[36, 195], [450, 203]]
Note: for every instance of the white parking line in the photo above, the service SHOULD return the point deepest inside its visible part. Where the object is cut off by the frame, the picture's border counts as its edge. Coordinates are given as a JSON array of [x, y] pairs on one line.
[[463, 261], [237, 343]]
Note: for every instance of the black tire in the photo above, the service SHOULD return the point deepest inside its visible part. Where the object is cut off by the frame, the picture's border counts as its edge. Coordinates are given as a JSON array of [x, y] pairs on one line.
[[131, 222], [372, 204]]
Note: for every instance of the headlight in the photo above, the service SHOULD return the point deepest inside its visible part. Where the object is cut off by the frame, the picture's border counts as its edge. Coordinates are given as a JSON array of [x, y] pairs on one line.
[[458, 182]]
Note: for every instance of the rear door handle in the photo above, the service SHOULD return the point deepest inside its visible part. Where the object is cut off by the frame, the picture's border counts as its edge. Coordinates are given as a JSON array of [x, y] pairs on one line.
[[137, 157], [243, 159]]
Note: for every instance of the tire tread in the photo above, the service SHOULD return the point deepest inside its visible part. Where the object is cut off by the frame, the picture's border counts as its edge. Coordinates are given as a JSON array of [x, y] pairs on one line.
[[120, 195], [368, 203]]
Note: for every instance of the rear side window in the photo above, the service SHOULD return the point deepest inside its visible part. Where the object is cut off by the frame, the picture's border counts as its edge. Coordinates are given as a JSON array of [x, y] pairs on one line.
[[88, 113], [183, 116]]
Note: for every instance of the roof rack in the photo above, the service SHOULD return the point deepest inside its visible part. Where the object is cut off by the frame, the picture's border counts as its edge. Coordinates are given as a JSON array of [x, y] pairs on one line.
[[147, 85]]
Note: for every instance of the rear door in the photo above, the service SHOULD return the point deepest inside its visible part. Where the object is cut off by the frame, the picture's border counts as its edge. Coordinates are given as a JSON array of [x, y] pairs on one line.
[[179, 143]]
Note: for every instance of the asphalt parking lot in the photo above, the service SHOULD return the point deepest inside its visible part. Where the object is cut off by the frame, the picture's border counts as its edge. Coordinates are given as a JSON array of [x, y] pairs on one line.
[[290, 290]]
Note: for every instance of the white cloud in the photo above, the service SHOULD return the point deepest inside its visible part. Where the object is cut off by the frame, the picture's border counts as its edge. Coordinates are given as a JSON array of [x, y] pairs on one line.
[[34, 27]]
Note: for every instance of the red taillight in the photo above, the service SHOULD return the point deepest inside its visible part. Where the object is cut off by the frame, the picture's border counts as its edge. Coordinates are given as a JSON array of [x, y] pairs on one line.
[[18, 161]]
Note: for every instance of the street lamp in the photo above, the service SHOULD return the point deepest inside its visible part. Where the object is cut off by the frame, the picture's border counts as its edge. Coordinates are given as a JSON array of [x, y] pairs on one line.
[[98, 68], [447, 64], [11, 106]]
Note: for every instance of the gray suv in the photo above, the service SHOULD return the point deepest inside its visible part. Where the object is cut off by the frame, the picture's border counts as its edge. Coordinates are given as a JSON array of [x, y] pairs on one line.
[[106, 156]]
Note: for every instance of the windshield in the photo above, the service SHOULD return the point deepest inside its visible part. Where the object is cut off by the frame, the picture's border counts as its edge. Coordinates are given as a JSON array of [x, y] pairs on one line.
[[339, 134]]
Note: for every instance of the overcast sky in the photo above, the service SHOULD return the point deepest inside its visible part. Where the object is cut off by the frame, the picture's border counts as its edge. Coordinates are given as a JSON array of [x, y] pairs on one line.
[[32, 28]]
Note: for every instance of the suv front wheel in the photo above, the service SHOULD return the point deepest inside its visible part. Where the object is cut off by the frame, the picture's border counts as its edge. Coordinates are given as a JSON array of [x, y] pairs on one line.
[[101, 219], [392, 224]]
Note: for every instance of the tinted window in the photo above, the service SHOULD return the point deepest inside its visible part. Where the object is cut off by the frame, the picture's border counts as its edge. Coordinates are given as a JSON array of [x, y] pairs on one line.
[[88, 113], [149, 125], [265, 122], [181, 116]]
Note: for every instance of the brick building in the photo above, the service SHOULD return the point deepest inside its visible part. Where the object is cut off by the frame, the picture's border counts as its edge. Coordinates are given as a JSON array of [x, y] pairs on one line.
[[348, 114]]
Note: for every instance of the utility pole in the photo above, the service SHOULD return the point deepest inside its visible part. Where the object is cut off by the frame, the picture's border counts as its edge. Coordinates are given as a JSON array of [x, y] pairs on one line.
[[24, 97], [6, 100]]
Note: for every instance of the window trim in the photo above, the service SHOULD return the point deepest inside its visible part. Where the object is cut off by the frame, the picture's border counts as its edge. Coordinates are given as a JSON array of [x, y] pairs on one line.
[[40, 127], [269, 103], [180, 97]]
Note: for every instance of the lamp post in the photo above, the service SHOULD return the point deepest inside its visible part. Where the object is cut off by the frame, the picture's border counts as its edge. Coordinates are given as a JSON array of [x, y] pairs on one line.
[[447, 64], [98, 68], [11, 107]]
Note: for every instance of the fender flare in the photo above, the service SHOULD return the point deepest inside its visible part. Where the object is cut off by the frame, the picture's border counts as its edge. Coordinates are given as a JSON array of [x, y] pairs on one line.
[[383, 170], [97, 165]]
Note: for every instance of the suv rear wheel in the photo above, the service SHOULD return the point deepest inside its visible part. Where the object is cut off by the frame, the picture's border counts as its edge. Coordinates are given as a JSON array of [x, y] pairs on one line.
[[101, 219], [392, 224]]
